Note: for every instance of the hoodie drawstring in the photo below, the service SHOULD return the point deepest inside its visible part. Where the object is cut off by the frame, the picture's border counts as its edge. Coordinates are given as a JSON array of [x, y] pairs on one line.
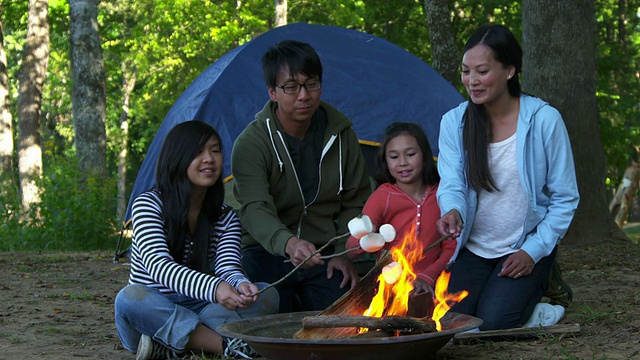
[[280, 163], [340, 162]]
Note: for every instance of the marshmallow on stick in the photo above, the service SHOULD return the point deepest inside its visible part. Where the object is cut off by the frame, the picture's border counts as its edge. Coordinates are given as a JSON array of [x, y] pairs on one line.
[[392, 273], [372, 242], [360, 226], [388, 232]]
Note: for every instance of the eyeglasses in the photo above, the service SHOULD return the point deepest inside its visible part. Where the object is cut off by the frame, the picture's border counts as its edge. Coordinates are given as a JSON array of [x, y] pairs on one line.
[[294, 88]]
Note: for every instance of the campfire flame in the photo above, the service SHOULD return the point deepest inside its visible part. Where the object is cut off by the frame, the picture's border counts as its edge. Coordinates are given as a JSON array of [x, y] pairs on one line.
[[392, 299], [443, 300]]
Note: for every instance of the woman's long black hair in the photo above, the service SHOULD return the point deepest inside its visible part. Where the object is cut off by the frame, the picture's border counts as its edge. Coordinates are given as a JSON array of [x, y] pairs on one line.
[[477, 128], [430, 174], [181, 145]]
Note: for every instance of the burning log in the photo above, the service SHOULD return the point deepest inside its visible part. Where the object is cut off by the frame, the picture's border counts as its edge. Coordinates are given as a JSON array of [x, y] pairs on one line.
[[421, 305], [354, 302], [387, 323], [376, 298]]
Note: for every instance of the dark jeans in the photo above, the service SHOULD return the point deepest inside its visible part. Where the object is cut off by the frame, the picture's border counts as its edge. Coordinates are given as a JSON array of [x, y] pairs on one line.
[[304, 290], [501, 302]]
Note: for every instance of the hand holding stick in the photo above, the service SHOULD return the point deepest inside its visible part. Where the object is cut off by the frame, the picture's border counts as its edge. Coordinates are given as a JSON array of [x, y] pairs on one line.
[[302, 263]]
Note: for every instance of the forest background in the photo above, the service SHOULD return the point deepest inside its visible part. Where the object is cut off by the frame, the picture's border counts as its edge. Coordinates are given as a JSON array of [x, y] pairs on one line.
[[89, 134]]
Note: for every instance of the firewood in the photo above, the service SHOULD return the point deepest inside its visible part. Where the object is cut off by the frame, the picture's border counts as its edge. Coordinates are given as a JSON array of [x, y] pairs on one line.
[[386, 323], [354, 302], [516, 333], [420, 305]]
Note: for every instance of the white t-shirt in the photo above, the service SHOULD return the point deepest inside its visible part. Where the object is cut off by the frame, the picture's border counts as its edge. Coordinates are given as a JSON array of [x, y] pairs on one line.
[[500, 214]]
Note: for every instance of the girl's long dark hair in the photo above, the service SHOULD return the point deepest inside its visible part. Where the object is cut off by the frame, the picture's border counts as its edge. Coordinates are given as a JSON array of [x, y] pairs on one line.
[[477, 128], [180, 147], [430, 174]]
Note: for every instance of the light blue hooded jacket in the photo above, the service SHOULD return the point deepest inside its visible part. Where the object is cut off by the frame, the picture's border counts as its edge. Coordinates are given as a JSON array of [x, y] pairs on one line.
[[545, 168]]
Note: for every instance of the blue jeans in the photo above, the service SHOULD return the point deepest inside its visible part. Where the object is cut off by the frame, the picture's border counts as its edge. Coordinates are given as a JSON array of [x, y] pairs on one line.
[[501, 302], [304, 290], [169, 319]]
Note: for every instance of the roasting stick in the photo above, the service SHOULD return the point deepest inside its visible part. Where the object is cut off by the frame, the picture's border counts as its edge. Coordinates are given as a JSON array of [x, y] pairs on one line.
[[448, 236], [331, 241], [358, 247], [334, 255]]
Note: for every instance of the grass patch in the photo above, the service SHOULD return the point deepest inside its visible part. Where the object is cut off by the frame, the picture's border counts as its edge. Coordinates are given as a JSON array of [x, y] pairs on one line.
[[590, 314], [633, 232], [16, 340], [83, 296]]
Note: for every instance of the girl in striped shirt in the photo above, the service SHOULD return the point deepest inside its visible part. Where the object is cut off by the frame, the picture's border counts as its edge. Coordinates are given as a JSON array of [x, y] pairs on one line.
[[186, 278]]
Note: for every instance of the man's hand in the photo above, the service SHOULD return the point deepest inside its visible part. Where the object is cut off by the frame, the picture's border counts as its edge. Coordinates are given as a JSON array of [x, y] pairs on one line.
[[347, 268], [298, 250], [517, 265], [450, 223]]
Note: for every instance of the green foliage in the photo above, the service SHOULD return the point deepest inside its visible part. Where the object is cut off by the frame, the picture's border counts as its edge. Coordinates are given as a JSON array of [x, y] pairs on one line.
[[633, 232], [166, 44], [401, 22], [75, 212], [618, 82]]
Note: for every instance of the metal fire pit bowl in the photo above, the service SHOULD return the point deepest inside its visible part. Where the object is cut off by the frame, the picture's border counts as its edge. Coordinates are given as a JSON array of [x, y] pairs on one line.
[[272, 337]]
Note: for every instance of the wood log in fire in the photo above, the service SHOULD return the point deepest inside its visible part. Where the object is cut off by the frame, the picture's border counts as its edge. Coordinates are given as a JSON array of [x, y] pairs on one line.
[[354, 302], [387, 323]]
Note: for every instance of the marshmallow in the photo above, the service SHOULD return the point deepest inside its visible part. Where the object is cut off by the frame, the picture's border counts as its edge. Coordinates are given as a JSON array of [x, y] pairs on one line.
[[360, 226], [392, 273], [388, 232], [372, 242]]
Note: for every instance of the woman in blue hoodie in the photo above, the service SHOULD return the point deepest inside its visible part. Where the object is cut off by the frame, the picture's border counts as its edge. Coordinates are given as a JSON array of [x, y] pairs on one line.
[[508, 188]]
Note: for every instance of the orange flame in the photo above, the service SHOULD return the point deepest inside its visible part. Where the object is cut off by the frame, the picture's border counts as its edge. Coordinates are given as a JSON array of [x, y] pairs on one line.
[[443, 300], [393, 299]]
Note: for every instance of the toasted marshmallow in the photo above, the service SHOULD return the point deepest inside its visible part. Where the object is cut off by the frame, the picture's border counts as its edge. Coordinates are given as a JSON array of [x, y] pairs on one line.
[[392, 273]]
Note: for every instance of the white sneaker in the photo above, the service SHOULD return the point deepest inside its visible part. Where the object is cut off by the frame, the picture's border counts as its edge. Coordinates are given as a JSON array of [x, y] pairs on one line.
[[237, 349], [151, 350], [545, 314]]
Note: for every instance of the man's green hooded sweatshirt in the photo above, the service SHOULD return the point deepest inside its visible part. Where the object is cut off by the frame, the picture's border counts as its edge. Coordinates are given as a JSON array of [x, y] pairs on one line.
[[272, 206]]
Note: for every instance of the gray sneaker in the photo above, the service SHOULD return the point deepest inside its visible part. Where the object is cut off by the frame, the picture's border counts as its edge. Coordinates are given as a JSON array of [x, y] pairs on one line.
[[237, 349], [152, 350]]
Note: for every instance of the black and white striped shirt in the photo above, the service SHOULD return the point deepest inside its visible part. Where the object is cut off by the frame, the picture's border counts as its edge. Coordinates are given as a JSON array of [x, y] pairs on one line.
[[153, 265]]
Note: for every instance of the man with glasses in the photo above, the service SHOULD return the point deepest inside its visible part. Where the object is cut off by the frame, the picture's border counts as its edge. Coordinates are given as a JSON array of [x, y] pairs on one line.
[[299, 176]]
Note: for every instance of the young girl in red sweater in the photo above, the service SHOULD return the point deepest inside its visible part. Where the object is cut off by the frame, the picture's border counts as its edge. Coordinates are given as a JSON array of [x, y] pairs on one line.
[[406, 198]]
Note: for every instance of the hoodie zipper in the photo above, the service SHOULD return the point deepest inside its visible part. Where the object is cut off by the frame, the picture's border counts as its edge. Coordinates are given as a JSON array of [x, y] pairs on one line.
[[295, 173]]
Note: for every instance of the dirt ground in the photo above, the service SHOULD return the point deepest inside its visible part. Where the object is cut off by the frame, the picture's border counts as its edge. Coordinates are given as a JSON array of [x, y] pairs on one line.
[[60, 306]]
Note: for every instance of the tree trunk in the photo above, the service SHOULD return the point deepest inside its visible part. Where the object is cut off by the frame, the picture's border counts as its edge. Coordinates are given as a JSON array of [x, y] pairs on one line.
[[32, 75], [281, 12], [559, 66], [89, 89], [6, 126], [446, 56], [128, 84]]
